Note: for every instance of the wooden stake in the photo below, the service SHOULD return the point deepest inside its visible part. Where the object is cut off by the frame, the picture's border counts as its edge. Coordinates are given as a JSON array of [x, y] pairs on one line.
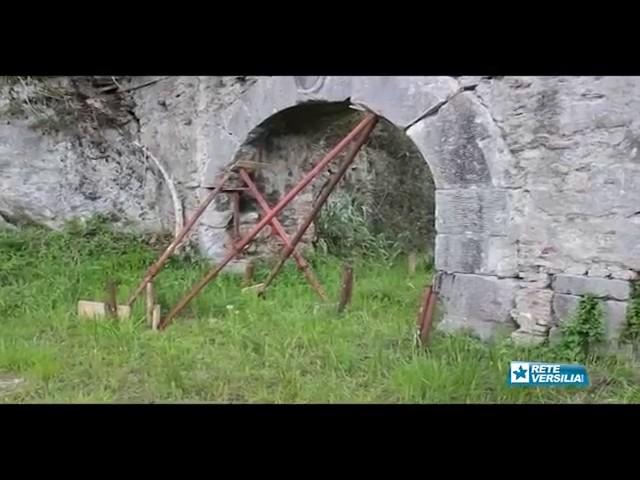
[[347, 287], [151, 301], [413, 260], [111, 302], [155, 317], [425, 328], [248, 273]]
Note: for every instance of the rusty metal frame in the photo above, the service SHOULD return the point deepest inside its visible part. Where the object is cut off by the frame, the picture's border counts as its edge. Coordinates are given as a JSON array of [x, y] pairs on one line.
[[278, 231], [322, 199], [360, 132]]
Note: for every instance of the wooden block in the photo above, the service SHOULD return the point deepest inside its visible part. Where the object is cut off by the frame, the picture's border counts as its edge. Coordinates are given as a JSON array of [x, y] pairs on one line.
[[88, 309], [253, 288]]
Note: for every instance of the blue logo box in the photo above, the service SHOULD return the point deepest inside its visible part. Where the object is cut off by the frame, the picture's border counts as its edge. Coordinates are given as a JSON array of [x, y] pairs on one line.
[[536, 374]]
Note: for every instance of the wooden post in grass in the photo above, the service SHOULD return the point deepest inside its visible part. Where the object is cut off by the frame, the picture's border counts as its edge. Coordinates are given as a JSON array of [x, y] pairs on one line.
[[153, 310], [347, 287], [111, 302], [248, 273], [413, 260], [425, 330], [422, 312], [425, 315], [155, 317], [151, 301]]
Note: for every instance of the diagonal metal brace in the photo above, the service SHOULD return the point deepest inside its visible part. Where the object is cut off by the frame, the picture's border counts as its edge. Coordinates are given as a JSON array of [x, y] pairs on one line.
[[279, 231]]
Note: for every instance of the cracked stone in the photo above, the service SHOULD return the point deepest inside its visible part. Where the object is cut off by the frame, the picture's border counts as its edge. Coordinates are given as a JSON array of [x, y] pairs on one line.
[[402, 100]]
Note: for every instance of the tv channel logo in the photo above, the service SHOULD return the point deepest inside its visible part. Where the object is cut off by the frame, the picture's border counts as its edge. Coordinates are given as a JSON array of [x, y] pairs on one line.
[[537, 374]]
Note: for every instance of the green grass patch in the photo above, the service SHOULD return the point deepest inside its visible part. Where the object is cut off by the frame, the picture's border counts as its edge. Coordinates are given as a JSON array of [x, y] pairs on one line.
[[229, 346]]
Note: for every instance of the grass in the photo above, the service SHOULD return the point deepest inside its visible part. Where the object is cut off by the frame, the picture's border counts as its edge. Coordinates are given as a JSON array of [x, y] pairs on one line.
[[230, 346]]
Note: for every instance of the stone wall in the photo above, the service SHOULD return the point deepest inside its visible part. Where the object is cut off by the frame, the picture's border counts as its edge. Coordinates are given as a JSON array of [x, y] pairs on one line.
[[67, 147], [66, 152], [537, 178], [574, 190]]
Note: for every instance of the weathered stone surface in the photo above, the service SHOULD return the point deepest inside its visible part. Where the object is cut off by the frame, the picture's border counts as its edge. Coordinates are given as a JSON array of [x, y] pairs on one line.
[[475, 254], [466, 146], [263, 99], [559, 108], [220, 148], [534, 279], [481, 303], [532, 311], [450, 141], [598, 271], [617, 194], [573, 140], [326, 89], [598, 287], [629, 275], [309, 83], [573, 243], [614, 312], [469, 81], [402, 100], [528, 339], [472, 211], [460, 253], [49, 180]]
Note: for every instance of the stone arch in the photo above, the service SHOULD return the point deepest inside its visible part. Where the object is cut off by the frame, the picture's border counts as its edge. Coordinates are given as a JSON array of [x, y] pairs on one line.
[[474, 252]]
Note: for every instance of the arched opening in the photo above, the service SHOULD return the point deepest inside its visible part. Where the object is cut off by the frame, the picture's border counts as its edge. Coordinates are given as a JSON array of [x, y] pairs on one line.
[[385, 205]]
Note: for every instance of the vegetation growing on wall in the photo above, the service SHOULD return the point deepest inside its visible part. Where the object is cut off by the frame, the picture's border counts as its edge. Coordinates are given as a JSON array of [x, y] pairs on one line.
[[583, 334], [78, 105], [631, 331]]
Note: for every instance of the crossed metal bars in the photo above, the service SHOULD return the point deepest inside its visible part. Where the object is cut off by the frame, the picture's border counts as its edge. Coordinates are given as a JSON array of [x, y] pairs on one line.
[[358, 135]]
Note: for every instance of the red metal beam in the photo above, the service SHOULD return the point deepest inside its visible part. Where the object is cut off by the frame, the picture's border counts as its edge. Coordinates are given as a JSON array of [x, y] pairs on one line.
[[370, 119], [155, 268]]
